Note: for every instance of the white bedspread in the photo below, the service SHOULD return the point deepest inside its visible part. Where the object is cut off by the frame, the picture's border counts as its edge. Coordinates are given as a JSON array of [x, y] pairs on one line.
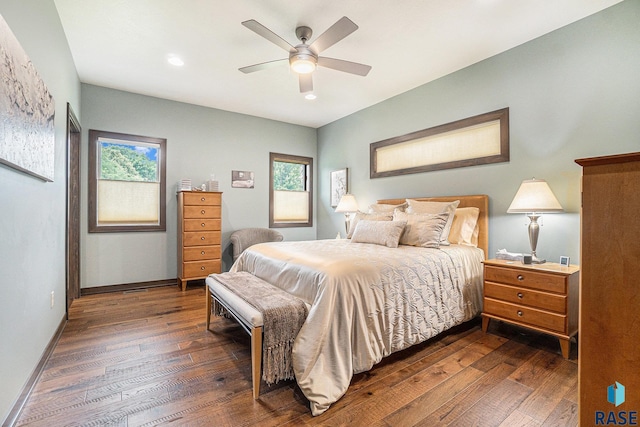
[[366, 302]]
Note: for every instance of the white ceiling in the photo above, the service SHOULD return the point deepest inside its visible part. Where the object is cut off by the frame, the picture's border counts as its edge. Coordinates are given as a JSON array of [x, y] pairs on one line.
[[124, 44]]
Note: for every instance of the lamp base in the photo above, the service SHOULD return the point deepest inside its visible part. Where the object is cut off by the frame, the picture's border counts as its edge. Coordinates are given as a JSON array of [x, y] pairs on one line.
[[536, 260]]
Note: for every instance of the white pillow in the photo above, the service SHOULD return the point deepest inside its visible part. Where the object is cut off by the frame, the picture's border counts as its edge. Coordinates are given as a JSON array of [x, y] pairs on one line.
[[384, 233], [385, 216], [423, 230], [464, 228], [417, 206]]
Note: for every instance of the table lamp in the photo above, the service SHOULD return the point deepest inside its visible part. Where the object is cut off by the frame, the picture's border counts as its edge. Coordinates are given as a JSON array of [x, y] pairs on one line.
[[347, 205], [533, 198]]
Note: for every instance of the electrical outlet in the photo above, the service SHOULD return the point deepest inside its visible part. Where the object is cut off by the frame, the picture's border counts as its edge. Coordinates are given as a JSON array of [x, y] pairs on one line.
[[52, 298]]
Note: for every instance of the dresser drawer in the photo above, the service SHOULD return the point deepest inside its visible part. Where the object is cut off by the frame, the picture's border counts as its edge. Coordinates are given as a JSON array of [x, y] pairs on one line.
[[200, 269], [526, 315], [203, 224], [201, 212], [202, 199], [203, 238], [525, 296], [527, 278], [198, 253]]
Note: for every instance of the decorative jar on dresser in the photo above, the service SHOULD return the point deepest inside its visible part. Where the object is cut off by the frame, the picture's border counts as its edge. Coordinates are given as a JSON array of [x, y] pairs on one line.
[[199, 225], [543, 297]]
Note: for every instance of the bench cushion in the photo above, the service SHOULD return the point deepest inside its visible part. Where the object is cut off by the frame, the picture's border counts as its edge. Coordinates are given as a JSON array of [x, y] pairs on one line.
[[246, 312]]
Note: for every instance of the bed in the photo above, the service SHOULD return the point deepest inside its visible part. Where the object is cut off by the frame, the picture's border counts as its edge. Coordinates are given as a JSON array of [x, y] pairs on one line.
[[367, 300]]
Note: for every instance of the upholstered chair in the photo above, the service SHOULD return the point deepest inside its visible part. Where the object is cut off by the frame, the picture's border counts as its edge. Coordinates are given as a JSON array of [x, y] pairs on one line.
[[242, 239]]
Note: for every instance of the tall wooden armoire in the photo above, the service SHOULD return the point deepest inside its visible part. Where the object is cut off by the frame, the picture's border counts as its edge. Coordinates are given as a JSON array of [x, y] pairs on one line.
[[609, 337]]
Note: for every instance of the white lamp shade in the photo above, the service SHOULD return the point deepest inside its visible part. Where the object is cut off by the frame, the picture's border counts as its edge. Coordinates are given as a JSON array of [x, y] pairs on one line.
[[534, 195], [347, 203]]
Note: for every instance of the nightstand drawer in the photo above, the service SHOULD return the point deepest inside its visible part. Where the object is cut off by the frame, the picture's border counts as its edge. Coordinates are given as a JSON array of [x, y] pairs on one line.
[[525, 296], [526, 315], [527, 278]]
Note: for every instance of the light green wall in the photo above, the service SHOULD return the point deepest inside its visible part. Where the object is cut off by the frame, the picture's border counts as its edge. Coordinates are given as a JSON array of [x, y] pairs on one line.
[[200, 141], [32, 212], [573, 93]]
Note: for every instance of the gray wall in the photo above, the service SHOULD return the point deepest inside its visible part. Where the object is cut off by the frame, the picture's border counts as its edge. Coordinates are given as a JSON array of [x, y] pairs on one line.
[[200, 141], [32, 212], [573, 93]]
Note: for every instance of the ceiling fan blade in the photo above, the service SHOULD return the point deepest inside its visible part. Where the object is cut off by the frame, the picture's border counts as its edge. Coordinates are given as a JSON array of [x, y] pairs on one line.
[[306, 83], [334, 34], [263, 31], [263, 66], [346, 66]]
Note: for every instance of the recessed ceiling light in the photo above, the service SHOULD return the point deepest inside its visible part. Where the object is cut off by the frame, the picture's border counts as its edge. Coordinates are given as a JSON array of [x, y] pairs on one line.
[[310, 96], [174, 60]]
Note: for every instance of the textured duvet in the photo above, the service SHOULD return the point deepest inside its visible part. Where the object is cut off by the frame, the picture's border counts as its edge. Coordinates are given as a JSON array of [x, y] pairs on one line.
[[365, 302]]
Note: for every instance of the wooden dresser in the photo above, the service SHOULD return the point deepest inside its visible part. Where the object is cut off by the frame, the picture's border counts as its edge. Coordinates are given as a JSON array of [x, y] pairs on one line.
[[199, 225], [543, 297], [609, 344]]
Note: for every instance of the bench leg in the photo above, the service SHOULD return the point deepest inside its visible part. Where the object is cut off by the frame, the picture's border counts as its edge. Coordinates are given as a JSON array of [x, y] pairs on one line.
[[208, 296], [256, 359]]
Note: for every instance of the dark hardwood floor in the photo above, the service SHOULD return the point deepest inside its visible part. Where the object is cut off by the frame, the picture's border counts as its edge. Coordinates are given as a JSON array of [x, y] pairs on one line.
[[144, 358]]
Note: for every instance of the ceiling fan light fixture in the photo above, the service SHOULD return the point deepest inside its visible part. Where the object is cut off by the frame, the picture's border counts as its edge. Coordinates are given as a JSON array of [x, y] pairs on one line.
[[302, 63], [303, 60]]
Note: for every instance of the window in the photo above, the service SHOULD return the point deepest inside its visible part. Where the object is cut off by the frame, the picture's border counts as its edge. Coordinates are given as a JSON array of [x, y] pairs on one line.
[[291, 191], [127, 189]]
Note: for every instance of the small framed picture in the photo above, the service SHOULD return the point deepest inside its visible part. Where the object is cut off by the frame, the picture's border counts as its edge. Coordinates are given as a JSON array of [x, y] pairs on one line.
[[564, 260], [339, 185]]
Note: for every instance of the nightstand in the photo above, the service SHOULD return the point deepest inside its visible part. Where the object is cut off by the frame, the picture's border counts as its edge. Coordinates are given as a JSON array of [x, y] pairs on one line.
[[543, 297]]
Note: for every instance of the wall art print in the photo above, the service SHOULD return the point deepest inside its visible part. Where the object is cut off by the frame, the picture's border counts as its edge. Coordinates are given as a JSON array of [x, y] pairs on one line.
[[27, 110], [339, 185]]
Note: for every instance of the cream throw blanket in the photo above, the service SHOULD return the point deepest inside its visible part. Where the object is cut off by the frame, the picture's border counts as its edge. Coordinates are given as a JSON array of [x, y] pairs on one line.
[[282, 314]]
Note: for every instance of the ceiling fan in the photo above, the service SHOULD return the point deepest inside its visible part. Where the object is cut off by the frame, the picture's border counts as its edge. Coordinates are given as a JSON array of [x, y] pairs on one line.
[[303, 58]]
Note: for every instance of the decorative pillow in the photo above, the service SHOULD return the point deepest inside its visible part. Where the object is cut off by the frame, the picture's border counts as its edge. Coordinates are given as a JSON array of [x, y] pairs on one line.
[[386, 216], [384, 233], [417, 206], [465, 226], [382, 208], [423, 230]]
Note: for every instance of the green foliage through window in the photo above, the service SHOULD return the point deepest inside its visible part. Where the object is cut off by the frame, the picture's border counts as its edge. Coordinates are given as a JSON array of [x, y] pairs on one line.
[[124, 162], [289, 176]]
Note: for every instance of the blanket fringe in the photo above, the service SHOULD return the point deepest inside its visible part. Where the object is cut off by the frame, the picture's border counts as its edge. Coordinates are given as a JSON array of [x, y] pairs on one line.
[[278, 363]]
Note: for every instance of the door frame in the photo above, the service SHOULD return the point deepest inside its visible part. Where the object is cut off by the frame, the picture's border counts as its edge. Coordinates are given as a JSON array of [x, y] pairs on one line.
[[72, 244]]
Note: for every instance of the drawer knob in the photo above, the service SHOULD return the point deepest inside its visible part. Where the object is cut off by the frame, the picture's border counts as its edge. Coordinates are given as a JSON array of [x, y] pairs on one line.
[[520, 313], [520, 295], [203, 224], [202, 211], [202, 253], [202, 268], [202, 199], [520, 277], [202, 238]]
